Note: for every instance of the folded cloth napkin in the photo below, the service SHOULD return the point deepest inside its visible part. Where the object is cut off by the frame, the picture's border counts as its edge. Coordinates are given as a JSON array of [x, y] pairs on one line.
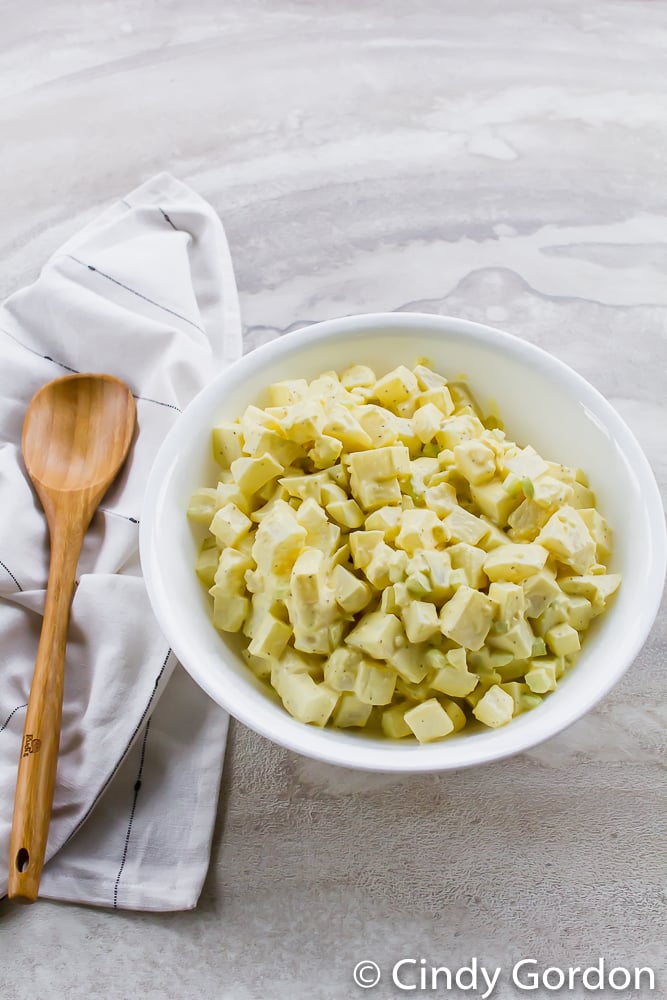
[[147, 293]]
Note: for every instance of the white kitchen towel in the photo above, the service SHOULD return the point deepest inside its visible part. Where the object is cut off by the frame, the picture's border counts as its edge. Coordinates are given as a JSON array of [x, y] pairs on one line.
[[146, 292]]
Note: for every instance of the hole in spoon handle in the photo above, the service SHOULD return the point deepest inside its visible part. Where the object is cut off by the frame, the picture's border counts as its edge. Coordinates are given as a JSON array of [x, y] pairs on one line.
[[22, 860]]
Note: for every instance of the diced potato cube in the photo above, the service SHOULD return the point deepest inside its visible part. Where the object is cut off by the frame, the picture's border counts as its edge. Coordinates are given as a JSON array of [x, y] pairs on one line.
[[540, 590], [393, 721], [352, 594], [518, 640], [527, 521], [396, 387], [278, 447], [441, 499], [409, 663], [203, 505], [270, 638], [341, 668], [427, 378], [346, 513], [386, 566], [467, 617], [566, 536], [306, 577], [429, 721], [261, 668], [562, 640], [471, 560], [231, 569], [579, 612], [387, 520], [426, 421], [340, 423], [350, 711], [462, 526], [526, 463], [475, 461], [230, 525], [379, 424], [229, 611], [373, 493], [599, 531], [377, 635], [420, 620], [303, 698], [495, 708], [542, 676], [440, 397], [362, 544], [598, 589], [381, 463], [454, 682], [493, 500], [581, 496], [515, 562], [493, 536], [455, 430], [375, 683], [306, 485], [325, 451], [511, 600], [207, 563], [455, 713], [227, 443], [287, 392], [358, 375], [278, 541], [420, 529], [305, 420], [252, 473]]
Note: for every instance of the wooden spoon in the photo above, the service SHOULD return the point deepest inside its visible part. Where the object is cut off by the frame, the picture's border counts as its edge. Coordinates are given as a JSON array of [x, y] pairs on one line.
[[76, 435]]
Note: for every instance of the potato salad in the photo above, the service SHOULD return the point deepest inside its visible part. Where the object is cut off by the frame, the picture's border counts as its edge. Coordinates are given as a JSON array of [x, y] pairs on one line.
[[392, 560]]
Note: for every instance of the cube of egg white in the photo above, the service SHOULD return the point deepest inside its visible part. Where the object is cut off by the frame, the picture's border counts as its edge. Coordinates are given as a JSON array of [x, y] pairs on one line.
[[475, 461], [441, 499], [495, 708], [427, 378], [358, 375], [421, 621], [467, 617], [230, 525], [429, 721], [562, 640], [350, 711], [375, 683], [352, 594]]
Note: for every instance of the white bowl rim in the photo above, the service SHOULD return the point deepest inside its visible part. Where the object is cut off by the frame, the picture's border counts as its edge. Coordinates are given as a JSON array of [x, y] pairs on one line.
[[308, 740]]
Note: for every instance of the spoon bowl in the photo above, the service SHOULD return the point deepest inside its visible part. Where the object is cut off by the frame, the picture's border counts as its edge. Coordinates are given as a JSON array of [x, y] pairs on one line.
[[76, 436]]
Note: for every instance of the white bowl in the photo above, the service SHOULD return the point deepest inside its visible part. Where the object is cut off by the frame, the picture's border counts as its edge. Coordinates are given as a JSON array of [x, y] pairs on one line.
[[542, 402]]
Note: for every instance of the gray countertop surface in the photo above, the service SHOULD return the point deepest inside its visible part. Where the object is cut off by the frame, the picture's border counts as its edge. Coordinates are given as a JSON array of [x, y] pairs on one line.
[[503, 162]]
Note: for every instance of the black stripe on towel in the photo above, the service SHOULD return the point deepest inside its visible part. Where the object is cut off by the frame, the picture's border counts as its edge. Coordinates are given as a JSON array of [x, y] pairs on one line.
[[137, 789], [7, 569], [124, 753], [167, 219], [133, 291], [11, 715]]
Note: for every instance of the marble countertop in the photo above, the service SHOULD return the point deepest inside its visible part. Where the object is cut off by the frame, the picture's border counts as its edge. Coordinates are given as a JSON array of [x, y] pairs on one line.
[[504, 162]]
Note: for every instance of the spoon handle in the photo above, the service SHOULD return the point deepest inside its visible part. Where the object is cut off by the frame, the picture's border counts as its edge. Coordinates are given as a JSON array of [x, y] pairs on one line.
[[41, 733]]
